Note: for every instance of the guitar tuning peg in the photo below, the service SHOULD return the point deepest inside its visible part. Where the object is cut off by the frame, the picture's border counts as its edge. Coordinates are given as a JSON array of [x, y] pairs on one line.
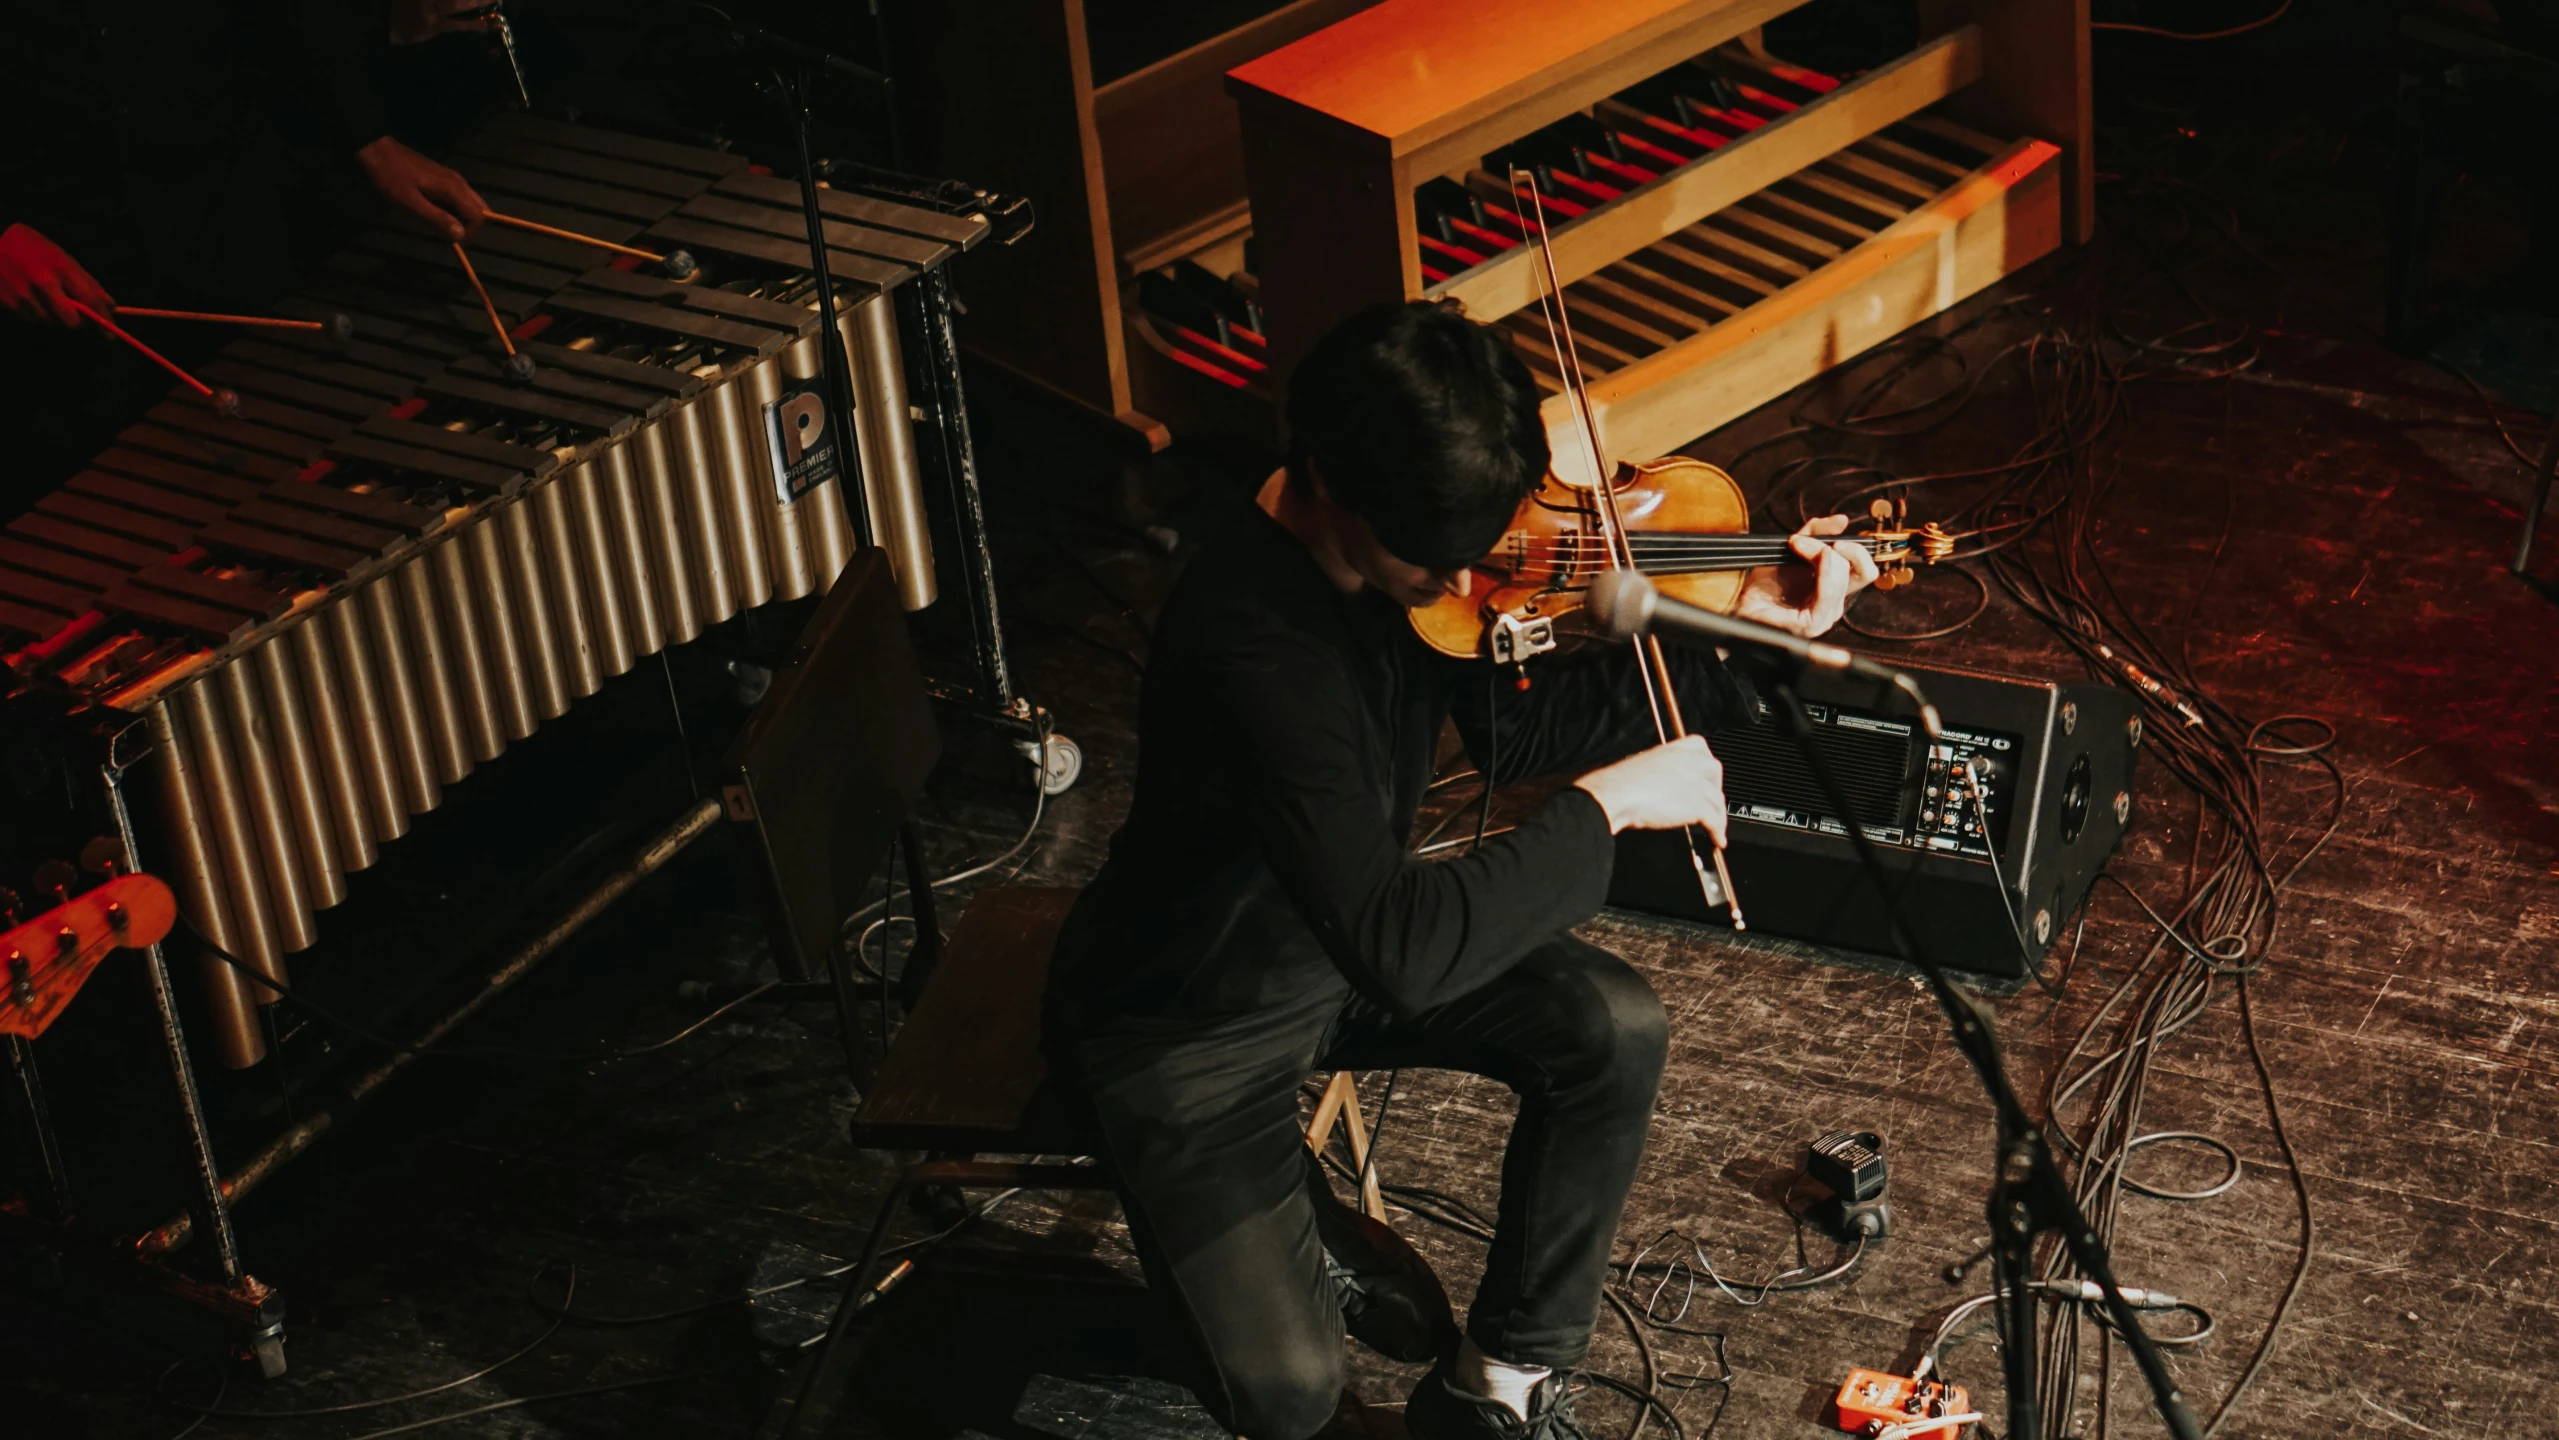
[[10, 906], [103, 855], [53, 882]]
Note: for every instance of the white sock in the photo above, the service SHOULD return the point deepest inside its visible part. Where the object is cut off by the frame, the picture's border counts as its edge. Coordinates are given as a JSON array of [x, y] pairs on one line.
[[1479, 1374]]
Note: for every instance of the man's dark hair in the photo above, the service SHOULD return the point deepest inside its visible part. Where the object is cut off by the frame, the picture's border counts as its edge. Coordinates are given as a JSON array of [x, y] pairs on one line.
[[1424, 424]]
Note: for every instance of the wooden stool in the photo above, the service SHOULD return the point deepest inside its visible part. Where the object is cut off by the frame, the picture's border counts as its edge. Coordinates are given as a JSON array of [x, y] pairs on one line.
[[966, 1077]]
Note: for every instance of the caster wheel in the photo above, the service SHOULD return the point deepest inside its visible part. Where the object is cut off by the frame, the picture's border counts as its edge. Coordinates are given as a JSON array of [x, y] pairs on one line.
[[940, 1206], [268, 1349], [1059, 767]]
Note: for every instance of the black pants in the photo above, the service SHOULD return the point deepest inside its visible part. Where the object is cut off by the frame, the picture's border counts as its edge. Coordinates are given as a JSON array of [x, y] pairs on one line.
[[1202, 1126]]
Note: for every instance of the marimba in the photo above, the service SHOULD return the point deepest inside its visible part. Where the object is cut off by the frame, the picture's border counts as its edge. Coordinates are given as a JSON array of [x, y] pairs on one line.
[[392, 563]]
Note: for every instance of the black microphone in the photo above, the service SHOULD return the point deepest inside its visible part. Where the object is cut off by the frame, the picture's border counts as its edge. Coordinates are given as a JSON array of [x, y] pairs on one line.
[[1626, 605]]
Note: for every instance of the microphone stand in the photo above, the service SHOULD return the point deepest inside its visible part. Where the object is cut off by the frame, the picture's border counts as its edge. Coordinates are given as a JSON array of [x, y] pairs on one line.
[[835, 368], [796, 68], [2029, 1198]]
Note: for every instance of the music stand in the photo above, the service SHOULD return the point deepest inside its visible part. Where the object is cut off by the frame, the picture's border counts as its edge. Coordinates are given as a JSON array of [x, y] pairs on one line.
[[824, 777]]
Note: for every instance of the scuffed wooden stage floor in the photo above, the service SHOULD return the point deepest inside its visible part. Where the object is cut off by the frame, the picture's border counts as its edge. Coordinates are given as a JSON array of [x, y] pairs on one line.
[[2404, 1010], [2410, 1013]]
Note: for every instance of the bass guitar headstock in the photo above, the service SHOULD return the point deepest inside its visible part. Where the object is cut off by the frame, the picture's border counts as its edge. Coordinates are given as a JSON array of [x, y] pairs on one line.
[[44, 961]]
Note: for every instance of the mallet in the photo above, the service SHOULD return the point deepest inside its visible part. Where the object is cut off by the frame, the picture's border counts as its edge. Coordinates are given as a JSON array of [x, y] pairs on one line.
[[223, 400], [519, 367], [679, 265], [337, 326]]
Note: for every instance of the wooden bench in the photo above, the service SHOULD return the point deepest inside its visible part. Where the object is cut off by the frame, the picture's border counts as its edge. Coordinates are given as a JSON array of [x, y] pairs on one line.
[[966, 1072]]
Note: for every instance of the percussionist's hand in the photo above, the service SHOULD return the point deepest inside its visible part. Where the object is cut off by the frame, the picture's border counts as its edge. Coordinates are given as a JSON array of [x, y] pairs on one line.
[[38, 281], [436, 194], [1805, 601], [417, 21], [1664, 788]]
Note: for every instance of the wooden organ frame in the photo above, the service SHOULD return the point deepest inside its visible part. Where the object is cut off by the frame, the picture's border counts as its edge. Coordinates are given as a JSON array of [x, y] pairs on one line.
[[1341, 127]]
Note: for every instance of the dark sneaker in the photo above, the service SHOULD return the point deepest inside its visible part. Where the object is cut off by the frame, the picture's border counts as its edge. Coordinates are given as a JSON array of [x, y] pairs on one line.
[[1392, 1301], [1438, 1410]]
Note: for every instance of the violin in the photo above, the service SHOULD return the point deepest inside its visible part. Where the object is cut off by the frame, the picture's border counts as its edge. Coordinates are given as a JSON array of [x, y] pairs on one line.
[[1688, 529]]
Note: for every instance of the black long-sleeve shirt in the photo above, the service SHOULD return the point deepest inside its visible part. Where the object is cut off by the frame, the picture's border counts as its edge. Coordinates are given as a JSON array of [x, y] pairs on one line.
[[1287, 733]]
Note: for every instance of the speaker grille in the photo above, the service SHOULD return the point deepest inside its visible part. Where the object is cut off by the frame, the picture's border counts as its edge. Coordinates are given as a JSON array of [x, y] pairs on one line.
[[1873, 760]]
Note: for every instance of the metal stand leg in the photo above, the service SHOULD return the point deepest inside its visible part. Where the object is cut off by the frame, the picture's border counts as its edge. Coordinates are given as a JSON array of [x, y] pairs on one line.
[[2012, 1264], [2540, 496], [56, 1202], [926, 955], [927, 306], [212, 1207], [925, 310], [212, 1204]]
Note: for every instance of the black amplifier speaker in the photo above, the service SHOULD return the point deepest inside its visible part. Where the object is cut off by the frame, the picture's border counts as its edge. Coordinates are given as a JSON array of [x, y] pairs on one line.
[[1995, 831]]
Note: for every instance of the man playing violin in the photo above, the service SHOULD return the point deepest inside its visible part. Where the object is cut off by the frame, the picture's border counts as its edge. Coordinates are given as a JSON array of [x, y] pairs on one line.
[[1261, 918]]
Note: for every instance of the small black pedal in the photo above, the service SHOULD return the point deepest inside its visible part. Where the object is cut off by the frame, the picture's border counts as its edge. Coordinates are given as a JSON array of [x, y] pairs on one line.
[[1850, 1165]]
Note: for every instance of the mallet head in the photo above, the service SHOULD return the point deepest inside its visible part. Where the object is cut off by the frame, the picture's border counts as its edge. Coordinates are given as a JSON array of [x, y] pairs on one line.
[[341, 326], [679, 265], [518, 369], [226, 402]]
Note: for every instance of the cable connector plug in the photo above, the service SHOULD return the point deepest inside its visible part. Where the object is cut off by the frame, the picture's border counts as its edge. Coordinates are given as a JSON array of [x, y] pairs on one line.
[[2156, 689], [2089, 1292]]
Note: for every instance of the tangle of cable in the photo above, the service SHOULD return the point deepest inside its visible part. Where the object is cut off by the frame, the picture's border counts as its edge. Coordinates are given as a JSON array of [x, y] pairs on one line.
[[2033, 525]]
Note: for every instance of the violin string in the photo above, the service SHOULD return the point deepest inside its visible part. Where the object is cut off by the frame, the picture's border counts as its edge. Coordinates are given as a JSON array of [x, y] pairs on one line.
[[1658, 542], [1767, 548]]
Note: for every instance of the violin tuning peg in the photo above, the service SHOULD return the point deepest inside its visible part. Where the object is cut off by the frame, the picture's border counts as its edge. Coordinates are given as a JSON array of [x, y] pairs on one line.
[[1880, 510]]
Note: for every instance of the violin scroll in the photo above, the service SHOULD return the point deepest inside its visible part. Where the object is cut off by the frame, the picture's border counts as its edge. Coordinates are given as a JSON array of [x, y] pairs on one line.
[[1896, 545]]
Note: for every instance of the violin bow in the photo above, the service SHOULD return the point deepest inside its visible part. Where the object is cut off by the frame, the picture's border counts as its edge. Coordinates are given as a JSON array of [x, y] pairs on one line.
[[1650, 663]]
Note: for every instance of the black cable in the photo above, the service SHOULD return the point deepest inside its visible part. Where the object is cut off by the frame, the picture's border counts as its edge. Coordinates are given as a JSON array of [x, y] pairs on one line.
[[1981, 602], [221, 1392], [214, 1411], [565, 1313], [1697, 1262], [1377, 1133], [523, 1400]]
